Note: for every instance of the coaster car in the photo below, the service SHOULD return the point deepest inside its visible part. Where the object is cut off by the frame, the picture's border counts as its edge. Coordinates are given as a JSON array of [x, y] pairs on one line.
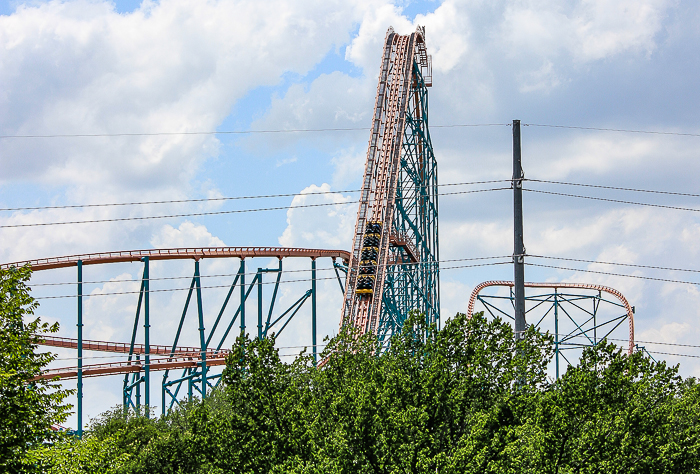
[[371, 241], [369, 254], [373, 228], [365, 285], [369, 269]]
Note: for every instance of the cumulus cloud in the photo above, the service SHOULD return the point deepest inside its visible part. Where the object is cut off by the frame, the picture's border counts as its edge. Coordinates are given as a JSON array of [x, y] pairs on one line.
[[177, 65]]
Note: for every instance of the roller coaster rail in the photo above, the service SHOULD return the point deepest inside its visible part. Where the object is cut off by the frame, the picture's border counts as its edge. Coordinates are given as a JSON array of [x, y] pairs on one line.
[[398, 200]]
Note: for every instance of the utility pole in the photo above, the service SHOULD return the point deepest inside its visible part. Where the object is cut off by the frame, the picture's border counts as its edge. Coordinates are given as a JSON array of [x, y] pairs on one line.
[[518, 246]]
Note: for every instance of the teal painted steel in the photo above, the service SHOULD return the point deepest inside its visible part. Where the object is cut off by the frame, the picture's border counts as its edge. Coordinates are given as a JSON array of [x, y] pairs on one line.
[[409, 285], [146, 334], [80, 349], [313, 308], [573, 319]]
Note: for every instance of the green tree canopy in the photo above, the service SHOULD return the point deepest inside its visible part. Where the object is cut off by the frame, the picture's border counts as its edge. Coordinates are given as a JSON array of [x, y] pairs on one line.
[[465, 399], [28, 408]]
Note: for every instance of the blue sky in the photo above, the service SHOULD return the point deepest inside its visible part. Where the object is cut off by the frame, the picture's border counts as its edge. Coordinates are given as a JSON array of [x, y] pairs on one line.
[[84, 66]]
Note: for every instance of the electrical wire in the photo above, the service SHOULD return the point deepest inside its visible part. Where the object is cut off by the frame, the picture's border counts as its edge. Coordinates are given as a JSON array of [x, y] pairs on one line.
[[674, 354], [614, 263], [236, 132], [614, 274], [617, 188], [619, 201], [181, 201], [336, 129], [228, 286], [600, 129], [215, 213]]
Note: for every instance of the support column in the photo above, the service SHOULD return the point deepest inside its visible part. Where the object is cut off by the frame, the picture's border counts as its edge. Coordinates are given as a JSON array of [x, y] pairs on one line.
[[518, 245], [241, 272], [146, 331], [313, 308], [556, 331], [202, 340], [137, 381], [80, 348], [260, 302]]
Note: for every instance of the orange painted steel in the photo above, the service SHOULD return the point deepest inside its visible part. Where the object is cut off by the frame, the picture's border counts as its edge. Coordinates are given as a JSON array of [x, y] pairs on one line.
[[116, 347], [176, 254], [184, 357], [112, 368], [585, 286], [382, 167]]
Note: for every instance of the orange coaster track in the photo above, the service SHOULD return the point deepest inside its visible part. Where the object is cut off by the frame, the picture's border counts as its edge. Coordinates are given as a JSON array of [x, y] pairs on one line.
[[178, 357], [396, 145]]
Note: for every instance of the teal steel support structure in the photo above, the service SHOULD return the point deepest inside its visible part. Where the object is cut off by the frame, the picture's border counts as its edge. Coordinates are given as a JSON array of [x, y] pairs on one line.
[[568, 317], [199, 379], [412, 283], [146, 334], [313, 309], [80, 349]]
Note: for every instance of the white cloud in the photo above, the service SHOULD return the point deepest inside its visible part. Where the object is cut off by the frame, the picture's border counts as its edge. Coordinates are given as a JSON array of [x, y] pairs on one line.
[[588, 30], [320, 227], [186, 235], [176, 65]]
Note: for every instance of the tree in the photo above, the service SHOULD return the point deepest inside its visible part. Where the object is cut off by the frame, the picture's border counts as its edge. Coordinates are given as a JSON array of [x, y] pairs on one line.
[[28, 408], [466, 399]]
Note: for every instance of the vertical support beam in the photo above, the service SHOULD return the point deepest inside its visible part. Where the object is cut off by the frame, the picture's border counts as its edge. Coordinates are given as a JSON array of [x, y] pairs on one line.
[[595, 322], [202, 341], [556, 331], [518, 245], [80, 348], [260, 302], [241, 272], [137, 381], [313, 309], [146, 338]]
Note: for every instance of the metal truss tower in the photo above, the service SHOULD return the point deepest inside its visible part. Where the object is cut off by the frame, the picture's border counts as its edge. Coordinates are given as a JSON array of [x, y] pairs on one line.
[[576, 315], [394, 260]]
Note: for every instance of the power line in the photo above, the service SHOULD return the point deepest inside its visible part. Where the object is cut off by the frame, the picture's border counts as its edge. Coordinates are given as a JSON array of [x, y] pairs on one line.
[[612, 200], [618, 264], [214, 213], [234, 132], [333, 129], [673, 354], [612, 187], [613, 274], [600, 129], [163, 290], [180, 201]]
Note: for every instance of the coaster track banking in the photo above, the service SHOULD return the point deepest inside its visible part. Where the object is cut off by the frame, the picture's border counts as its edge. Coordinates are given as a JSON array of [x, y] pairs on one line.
[[398, 202]]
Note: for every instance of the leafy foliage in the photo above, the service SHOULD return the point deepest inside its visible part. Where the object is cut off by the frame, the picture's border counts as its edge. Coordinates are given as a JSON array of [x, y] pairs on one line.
[[27, 408], [465, 399]]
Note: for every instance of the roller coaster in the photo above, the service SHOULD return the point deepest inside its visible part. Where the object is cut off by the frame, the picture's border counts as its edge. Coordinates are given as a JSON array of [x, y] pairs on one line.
[[391, 269]]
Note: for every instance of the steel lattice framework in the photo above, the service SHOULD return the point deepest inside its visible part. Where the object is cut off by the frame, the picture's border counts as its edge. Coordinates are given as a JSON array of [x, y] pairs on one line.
[[195, 363], [394, 260], [577, 315]]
